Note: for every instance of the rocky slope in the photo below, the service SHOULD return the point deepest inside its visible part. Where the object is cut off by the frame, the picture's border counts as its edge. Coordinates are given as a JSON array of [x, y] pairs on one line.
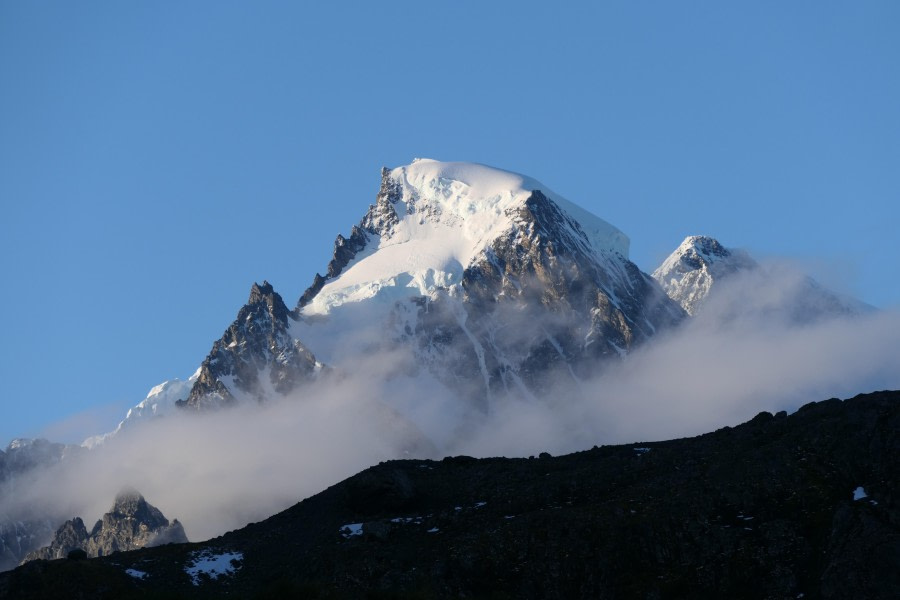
[[130, 524], [256, 358], [782, 506]]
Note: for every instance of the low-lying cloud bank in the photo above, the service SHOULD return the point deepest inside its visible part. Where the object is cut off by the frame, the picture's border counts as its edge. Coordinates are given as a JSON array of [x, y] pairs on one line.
[[219, 471]]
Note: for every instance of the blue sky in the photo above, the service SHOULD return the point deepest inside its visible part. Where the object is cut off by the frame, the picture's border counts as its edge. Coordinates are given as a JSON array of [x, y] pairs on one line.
[[158, 158]]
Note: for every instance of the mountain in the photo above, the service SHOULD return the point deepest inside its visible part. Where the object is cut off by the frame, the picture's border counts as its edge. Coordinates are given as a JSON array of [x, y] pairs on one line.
[[688, 274], [256, 358], [462, 288], [131, 523], [702, 271], [460, 277], [23, 455], [488, 278], [160, 401], [24, 531], [783, 506]]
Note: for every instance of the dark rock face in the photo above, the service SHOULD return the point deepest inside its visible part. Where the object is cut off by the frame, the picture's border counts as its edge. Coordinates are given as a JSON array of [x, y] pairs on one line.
[[71, 535], [131, 523], [379, 220], [773, 508], [18, 537], [704, 251], [540, 300], [257, 345]]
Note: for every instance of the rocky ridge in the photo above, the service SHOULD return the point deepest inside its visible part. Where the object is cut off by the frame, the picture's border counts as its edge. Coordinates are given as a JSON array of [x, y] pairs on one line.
[[255, 358], [130, 524]]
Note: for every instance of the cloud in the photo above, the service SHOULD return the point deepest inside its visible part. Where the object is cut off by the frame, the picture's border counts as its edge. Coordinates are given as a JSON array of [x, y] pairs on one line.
[[219, 471], [76, 427], [747, 351], [742, 354]]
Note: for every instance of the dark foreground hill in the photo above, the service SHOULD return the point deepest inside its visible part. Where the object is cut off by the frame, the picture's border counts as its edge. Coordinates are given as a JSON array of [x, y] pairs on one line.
[[782, 506]]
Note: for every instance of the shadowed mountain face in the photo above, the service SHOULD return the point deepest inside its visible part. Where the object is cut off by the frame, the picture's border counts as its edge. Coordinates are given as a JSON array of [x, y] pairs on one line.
[[779, 507], [256, 356]]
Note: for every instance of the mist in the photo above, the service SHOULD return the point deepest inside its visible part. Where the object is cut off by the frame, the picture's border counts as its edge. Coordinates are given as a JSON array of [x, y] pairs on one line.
[[745, 352]]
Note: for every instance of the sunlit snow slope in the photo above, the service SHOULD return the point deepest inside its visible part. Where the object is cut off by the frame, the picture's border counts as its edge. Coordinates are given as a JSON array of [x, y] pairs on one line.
[[448, 213]]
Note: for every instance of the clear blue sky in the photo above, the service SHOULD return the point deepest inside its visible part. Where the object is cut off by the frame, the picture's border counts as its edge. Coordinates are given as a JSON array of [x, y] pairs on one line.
[[157, 158]]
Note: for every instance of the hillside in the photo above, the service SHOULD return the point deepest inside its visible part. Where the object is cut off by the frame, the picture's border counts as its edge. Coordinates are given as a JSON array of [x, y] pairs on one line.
[[779, 507]]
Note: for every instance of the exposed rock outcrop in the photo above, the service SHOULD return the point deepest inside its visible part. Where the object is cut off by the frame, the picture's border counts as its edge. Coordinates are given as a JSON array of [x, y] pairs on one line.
[[256, 356], [130, 524]]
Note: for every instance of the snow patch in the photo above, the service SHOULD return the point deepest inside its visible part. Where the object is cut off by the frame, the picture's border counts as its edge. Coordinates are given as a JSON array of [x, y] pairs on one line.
[[136, 574], [406, 520], [351, 529], [160, 401], [213, 565]]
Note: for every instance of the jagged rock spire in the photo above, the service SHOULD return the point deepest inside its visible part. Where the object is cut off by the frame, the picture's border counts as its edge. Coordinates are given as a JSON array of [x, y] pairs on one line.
[[131, 523], [257, 344]]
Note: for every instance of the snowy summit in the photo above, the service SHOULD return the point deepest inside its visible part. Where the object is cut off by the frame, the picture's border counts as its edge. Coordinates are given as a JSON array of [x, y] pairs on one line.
[[447, 214]]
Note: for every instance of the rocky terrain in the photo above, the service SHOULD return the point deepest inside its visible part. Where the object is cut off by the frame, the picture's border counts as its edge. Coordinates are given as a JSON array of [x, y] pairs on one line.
[[256, 357], [783, 506], [130, 524]]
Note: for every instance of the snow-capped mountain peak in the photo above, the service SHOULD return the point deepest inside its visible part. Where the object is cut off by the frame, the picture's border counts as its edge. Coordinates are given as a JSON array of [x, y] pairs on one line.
[[431, 221], [159, 402], [776, 290], [480, 271], [688, 274]]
